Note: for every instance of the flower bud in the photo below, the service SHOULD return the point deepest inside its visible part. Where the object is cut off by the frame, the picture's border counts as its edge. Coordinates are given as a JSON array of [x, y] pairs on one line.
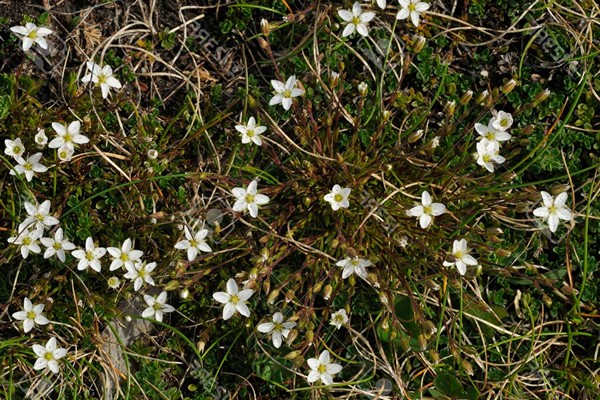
[[555, 190], [265, 27], [413, 137], [263, 43], [542, 96], [291, 355], [467, 367], [273, 296], [152, 154], [291, 336], [434, 356], [309, 336], [334, 79], [450, 107], [184, 294], [503, 253], [363, 89], [266, 286], [385, 116], [509, 86], [172, 285], [419, 43], [422, 342], [289, 296], [327, 292], [317, 288], [482, 98], [466, 97]]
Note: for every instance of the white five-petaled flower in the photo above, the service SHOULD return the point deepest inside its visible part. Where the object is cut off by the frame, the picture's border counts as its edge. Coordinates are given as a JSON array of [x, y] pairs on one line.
[[322, 368], [285, 92], [39, 216], [460, 252], [412, 9], [356, 20], [250, 132], [65, 152], [126, 256], [248, 199], [31, 315], [29, 166], [48, 356], [67, 136], [57, 245], [40, 138], [278, 329], [14, 148], [140, 273], [553, 210], [354, 266], [234, 300], [157, 306], [338, 197], [101, 76], [488, 154], [194, 243], [339, 318], [90, 257], [30, 34], [28, 240], [427, 210], [490, 134], [502, 121]]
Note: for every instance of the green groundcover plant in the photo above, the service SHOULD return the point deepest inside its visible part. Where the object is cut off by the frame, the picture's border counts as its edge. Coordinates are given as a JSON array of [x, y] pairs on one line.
[[288, 199]]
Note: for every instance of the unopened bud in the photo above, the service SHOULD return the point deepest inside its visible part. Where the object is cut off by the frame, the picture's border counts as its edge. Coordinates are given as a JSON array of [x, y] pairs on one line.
[[184, 294], [509, 86], [263, 43], [434, 356], [413, 137], [555, 190], [385, 116], [450, 107], [152, 154], [291, 355], [327, 292], [467, 367], [273, 296], [363, 89], [482, 98], [466, 97], [503, 253], [266, 286], [317, 288], [419, 43], [405, 343], [309, 336], [334, 79], [422, 342], [292, 335], [172, 285], [265, 27], [289, 296], [542, 96]]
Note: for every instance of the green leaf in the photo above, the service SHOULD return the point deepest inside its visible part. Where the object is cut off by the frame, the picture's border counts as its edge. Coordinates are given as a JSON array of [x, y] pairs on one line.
[[449, 385], [4, 106]]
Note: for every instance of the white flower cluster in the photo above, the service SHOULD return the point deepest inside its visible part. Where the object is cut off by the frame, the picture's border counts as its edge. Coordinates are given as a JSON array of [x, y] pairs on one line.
[[496, 131]]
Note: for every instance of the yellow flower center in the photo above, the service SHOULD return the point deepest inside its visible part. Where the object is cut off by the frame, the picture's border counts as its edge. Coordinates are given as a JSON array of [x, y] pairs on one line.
[[356, 20], [250, 133], [287, 93], [124, 257], [234, 299], [504, 122], [278, 326], [427, 210], [552, 209], [102, 79], [68, 137], [412, 7], [156, 306], [486, 158], [338, 198], [48, 356], [339, 318], [459, 255], [89, 255], [322, 368], [30, 315], [39, 217], [17, 150], [28, 166], [490, 136], [27, 241], [249, 198], [56, 246], [32, 35]]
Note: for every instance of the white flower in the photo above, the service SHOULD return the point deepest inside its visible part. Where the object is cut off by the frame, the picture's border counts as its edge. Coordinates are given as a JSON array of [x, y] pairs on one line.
[[427, 210], [90, 257], [487, 154], [31, 34], [356, 20], [251, 132], [140, 273], [14, 148], [194, 243], [461, 254], [40, 138], [381, 4], [157, 306], [48, 356], [28, 239], [412, 9], [38, 216], [285, 92], [354, 266], [67, 136], [554, 210], [65, 152], [31, 315], [234, 300], [323, 369], [248, 199], [57, 245], [101, 76], [29, 166], [278, 329], [490, 133], [502, 121], [338, 197], [339, 318], [126, 256]]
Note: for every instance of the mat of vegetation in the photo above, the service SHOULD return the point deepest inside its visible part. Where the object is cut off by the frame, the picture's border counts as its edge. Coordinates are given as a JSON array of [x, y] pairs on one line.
[[291, 199]]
